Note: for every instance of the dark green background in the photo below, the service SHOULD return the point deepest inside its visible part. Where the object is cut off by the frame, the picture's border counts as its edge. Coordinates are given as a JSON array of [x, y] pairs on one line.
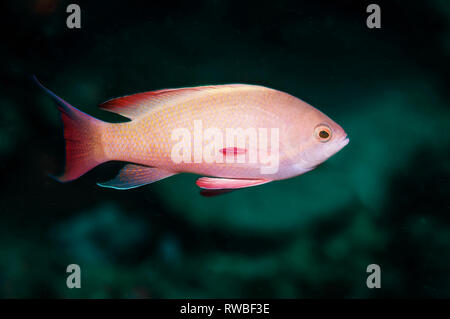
[[383, 199]]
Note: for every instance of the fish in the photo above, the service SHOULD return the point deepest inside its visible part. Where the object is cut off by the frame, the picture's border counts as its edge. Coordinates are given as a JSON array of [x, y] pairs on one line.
[[187, 130]]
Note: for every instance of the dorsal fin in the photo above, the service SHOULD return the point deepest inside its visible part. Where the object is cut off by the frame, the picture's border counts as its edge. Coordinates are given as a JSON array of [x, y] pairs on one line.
[[135, 105]]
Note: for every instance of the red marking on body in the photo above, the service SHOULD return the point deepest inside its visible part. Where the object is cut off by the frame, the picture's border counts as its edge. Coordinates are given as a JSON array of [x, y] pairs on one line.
[[233, 151]]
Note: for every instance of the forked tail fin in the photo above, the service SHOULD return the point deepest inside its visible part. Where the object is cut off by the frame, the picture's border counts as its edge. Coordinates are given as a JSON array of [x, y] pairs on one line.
[[82, 134]]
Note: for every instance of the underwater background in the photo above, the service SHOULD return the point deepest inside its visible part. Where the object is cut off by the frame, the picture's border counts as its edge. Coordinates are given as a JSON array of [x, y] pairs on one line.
[[383, 199]]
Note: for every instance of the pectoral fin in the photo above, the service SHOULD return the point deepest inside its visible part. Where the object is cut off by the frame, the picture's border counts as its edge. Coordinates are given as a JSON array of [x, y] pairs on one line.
[[132, 176], [228, 183]]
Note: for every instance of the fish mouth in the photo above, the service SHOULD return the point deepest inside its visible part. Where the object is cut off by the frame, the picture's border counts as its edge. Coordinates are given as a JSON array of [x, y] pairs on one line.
[[337, 146], [341, 144], [345, 141]]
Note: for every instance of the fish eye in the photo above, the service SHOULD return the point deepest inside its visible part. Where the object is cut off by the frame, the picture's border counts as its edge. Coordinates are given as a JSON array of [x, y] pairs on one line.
[[322, 133]]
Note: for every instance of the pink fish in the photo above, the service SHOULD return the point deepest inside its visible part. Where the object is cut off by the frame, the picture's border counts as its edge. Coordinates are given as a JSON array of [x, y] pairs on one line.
[[187, 131]]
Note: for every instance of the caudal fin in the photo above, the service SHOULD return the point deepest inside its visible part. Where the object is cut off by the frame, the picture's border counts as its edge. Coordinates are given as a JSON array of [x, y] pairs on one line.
[[82, 137]]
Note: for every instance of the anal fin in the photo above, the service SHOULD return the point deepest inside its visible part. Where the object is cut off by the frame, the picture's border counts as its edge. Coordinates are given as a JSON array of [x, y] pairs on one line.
[[228, 183], [132, 176]]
